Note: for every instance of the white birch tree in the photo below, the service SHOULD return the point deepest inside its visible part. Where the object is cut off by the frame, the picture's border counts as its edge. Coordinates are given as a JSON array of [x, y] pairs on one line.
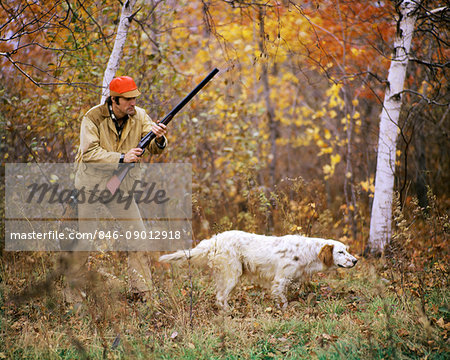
[[113, 63], [381, 217]]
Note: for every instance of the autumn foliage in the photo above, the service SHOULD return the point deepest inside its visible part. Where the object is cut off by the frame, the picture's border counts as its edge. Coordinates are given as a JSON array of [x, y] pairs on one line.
[[283, 140]]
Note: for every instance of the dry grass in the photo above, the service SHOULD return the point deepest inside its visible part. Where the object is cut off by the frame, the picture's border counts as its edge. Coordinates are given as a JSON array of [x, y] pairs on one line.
[[346, 314]]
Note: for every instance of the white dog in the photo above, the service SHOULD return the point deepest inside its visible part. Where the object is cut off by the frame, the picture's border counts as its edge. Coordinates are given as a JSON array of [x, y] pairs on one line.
[[270, 261]]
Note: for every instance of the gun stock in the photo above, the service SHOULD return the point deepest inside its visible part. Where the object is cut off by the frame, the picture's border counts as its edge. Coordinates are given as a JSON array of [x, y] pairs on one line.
[[115, 181]]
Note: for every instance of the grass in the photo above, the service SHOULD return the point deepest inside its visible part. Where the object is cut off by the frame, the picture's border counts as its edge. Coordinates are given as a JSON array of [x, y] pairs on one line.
[[348, 314]]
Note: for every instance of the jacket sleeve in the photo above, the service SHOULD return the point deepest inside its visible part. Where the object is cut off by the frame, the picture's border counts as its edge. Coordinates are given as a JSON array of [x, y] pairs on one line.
[[153, 148], [90, 149]]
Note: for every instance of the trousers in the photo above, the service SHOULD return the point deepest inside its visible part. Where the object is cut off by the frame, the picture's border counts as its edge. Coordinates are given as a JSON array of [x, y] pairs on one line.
[[111, 227]]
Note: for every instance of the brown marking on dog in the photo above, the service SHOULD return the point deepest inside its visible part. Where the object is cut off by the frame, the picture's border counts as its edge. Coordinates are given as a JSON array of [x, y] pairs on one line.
[[282, 251], [326, 255]]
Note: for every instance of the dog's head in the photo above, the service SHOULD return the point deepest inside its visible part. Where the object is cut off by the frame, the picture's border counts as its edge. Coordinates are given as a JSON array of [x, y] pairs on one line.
[[336, 254]]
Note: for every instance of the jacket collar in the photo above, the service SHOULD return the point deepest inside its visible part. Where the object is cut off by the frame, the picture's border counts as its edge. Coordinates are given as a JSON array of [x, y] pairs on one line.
[[128, 125], [105, 114]]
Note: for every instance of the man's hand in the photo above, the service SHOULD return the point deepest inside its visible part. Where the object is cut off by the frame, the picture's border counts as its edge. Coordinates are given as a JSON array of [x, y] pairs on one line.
[[159, 130], [132, 156]]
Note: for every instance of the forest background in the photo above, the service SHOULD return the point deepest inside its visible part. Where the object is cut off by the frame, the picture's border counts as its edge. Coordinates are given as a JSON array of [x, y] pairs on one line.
[[283, 140]]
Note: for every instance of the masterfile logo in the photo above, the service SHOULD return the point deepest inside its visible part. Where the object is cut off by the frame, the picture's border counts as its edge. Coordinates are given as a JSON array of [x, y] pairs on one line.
[[53, 193]]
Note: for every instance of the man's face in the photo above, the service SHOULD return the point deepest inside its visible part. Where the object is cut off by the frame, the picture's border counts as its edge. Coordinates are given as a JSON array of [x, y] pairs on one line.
[[124, 106]]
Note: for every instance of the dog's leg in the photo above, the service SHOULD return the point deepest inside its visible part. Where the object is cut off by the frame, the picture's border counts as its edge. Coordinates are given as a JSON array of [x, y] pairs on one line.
[[227, 276], [278, 290], [224, 288]]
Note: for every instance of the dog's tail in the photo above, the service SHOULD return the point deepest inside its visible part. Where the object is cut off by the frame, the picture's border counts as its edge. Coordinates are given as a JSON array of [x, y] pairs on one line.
[[198, 255]]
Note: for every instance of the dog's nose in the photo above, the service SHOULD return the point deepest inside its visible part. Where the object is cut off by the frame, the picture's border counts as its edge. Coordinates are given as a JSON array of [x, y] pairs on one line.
[[355, 261]]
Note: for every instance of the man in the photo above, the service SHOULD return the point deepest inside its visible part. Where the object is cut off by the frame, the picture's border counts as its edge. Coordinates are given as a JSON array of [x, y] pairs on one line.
[[111, 131], [109, 134]]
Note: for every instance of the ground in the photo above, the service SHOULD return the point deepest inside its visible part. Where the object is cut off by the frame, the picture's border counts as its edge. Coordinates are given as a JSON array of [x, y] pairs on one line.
[[371, 311]]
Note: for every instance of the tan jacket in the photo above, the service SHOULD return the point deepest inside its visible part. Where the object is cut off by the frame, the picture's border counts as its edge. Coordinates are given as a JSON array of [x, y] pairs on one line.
[[100, 143], [99, 140]]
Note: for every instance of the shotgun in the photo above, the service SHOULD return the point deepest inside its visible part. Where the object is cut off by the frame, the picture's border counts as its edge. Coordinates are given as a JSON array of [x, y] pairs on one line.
[[115, 181]]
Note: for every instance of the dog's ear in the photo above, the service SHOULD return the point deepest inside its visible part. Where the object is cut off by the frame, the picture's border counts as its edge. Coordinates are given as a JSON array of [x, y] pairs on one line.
[[326, 255]]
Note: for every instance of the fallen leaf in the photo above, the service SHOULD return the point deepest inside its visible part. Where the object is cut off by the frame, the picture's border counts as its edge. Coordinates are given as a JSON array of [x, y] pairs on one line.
[[441, 323], [329, 337]]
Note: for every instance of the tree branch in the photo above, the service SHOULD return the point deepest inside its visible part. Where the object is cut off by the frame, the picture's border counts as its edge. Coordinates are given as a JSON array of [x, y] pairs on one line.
[[97, 24], [431, 65], [423, 97]]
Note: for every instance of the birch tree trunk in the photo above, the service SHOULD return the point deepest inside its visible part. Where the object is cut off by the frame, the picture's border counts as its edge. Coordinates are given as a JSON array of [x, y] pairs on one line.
[[381, 218], [116, 54]]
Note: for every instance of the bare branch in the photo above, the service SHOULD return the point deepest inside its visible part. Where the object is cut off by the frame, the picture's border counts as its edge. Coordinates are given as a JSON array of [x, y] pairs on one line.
[[104, 37], [429, 101], [431, 65], [16, 64]]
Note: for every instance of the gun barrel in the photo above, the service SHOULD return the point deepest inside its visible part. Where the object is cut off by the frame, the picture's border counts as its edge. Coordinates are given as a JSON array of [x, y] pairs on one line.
[[150, 136], [188, 97]]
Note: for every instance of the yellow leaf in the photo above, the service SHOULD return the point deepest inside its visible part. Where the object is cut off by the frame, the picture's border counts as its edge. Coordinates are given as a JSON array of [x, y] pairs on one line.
[[335, 159], [334, 90], [219, 161], [327, 169], [327, 150], [364, 185], [253, 160], [320, 143]]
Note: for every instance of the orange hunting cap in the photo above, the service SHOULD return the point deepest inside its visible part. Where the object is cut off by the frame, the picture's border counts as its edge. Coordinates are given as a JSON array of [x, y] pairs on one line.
[[123, 86]]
